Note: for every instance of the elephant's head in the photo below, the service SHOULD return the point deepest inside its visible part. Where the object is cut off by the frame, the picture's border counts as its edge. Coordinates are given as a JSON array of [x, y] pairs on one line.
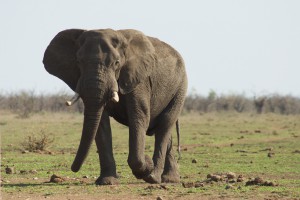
[[96, 64]]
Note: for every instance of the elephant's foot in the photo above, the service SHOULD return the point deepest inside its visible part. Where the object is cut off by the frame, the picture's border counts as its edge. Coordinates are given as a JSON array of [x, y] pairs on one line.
[[108, 180], [171, 177], [145, 170], [153, 178]]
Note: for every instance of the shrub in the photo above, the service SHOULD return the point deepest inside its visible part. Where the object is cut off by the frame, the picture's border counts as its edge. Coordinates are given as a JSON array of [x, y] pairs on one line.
[[38, 142]]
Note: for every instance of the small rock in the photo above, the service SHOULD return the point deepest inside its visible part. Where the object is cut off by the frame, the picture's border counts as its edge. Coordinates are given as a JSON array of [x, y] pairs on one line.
[[197, 185], [25, 151], [241, 151], [194, 161], [163, 187], [84, 181], [250, 182], [229, 187], [209, 175], [269, 183], [35, 178], [188, 185], [240, 178], [231, 181], [10, 170], [256, 181], [152, 187], [216, 178], [56, 179], [23, 172], [231, 175], [85, 176], [33, 171], [270, 154], [261, 182], [159, 198], [267, 149], [296, 151]]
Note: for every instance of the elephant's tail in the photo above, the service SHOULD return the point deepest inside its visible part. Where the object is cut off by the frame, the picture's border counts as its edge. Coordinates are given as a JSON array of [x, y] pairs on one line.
[[178, 139]]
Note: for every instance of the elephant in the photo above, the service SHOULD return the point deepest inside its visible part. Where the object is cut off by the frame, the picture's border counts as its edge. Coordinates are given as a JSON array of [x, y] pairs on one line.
[[136, 79]]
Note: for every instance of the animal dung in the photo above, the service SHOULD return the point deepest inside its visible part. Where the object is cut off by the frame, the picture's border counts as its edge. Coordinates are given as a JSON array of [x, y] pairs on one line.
[[259, 181], [9, 170], [56, 179], [231, 175]]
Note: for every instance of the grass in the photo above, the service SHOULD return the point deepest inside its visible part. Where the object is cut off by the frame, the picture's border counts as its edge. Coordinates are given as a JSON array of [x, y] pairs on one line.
[[219, 142]]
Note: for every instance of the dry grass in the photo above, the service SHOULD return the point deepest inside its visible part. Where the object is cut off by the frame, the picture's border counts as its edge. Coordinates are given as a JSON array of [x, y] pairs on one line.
[[38, 142], [249, 145]]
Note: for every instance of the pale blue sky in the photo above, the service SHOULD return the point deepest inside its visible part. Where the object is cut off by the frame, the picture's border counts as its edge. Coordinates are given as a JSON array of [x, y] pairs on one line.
[[250, 47]]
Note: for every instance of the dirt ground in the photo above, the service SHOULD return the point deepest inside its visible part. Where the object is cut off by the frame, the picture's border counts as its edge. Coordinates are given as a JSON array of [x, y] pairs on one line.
[[125, 196], [71, 190]]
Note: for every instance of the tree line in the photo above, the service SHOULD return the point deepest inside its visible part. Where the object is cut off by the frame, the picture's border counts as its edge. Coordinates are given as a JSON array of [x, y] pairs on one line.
[[275, 103], [26, 103]]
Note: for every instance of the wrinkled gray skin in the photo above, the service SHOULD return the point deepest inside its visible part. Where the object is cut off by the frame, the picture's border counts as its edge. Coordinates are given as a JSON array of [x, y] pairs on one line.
[[151, 81]]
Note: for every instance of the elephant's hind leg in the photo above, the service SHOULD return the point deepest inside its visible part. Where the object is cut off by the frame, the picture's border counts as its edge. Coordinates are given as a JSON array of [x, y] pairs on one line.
[[166, 123], [108, 175], [171, 173]]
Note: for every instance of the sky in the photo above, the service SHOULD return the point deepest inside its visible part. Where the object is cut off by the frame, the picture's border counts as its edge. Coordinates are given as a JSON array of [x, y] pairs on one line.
[[249, 47]]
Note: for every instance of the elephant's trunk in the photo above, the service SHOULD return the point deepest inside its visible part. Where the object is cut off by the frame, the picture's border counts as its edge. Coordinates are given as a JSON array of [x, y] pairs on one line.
[[92, 114], [94, 96]]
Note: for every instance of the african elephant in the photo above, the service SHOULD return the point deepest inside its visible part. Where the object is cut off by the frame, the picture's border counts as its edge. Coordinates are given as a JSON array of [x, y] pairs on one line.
[[138, 80]]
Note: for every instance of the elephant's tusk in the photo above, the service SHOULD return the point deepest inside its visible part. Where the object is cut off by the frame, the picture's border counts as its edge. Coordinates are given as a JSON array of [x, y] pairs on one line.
[[115, 97], [73, 100]]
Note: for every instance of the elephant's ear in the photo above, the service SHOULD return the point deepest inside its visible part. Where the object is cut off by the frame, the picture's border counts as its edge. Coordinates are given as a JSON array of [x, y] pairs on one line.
[[140, 60], [60, 57]]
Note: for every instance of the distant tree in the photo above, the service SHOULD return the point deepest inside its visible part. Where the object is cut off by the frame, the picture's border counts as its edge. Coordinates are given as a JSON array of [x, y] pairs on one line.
[[259, 104]]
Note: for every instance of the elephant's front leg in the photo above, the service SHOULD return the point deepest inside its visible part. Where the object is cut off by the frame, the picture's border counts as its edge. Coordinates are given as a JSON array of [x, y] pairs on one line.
[[108, 175], [140, 164], [138, 118]]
